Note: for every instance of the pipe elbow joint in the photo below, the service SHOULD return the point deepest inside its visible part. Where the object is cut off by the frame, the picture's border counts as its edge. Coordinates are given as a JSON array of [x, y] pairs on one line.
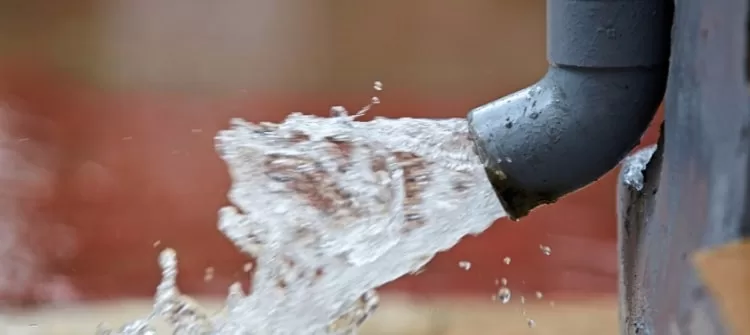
[[607, 76]]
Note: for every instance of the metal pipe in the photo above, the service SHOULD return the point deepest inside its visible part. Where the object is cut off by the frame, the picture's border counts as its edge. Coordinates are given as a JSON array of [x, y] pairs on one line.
[[607, 75], [636, 194]]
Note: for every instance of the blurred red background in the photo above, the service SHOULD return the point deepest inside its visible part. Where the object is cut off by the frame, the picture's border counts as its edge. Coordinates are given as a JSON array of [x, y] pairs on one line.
[[125, 115]]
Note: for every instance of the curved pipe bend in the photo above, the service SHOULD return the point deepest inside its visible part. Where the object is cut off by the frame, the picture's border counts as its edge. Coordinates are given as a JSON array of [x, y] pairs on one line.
[[607, 76]]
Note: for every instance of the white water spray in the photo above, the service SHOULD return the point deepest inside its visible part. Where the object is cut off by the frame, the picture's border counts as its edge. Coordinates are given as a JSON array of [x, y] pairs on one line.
[[331, 209]]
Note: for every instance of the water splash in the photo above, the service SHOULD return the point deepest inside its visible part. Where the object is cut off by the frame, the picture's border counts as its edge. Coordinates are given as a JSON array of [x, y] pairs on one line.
[[503, 295], [27, 177], [545, 250], [331, 209]]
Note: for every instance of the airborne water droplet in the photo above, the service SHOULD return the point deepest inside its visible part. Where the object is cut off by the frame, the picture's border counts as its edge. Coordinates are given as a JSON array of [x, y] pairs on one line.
[[506, 260], [208, 274], [378, 86], [545, 249], [539, 295], [531, 323], [375, 100], [464, 265], [503, 294]]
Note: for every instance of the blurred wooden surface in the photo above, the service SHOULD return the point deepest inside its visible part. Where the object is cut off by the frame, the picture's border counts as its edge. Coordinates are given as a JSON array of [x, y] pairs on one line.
[[396, 316]]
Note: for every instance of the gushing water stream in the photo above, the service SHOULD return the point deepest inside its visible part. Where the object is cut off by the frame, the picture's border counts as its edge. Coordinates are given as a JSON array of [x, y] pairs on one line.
[[331, 209]]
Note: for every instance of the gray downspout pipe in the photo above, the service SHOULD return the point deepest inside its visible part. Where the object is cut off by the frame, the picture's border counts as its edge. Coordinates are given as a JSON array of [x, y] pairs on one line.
[[606, 78]]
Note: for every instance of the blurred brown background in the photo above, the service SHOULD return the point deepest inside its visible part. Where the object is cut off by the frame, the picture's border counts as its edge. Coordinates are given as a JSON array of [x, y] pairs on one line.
[[115, 103]]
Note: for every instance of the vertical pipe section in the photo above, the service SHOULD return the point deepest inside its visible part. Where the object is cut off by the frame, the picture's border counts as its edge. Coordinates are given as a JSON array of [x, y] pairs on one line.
[[636, 197], [607, 75]]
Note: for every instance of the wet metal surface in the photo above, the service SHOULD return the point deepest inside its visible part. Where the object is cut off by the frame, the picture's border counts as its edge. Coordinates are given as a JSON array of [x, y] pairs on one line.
[[607, 76], [636, 192], [701, 195]]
